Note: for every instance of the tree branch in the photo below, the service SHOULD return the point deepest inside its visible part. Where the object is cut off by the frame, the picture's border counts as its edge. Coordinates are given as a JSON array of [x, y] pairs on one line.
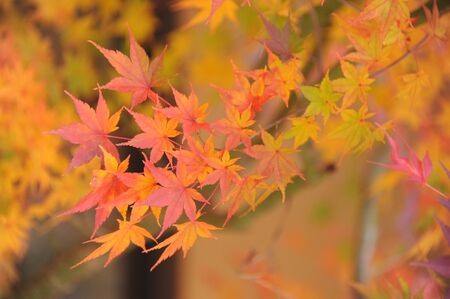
[[398, 60]]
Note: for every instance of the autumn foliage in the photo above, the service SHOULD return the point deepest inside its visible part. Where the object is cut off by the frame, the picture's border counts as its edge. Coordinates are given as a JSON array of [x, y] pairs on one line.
[[333, 99]]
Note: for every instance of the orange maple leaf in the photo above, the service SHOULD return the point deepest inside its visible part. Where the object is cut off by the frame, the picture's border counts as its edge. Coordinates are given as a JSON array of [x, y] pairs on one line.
[[275, 161], [106, 188], [225, 172], [245, 189], [284, 76], [183, 239], [187, 112], [247, 94], [116, 242], [235, 126], [195, 158]]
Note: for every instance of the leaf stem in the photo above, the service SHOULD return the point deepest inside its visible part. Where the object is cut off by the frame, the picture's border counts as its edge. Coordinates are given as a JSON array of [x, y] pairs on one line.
[[118, 137], [164, 101], [208, 201], [435, 190], [398, 60]]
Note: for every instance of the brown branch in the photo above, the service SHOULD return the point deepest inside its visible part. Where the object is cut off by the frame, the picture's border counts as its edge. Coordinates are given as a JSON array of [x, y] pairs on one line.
[[398, 60]]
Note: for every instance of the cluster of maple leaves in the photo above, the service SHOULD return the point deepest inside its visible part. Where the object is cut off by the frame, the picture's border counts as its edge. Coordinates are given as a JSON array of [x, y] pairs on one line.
[[180, 162], [188, 151]]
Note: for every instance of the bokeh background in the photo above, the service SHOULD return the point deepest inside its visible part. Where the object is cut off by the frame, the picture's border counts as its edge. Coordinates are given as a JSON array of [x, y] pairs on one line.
[[350, 221]]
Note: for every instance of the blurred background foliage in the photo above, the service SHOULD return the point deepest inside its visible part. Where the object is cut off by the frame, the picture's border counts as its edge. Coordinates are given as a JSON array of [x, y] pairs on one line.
[[349, 222]]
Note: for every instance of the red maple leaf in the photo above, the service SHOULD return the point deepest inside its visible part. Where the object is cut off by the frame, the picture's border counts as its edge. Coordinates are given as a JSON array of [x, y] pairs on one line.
[[156, 136], [225, 172], [187, 112], [91, 133], [416, 169], [195, 158], [236, 127], [107, 187], [248, 94], [175, 193], [137, 73]]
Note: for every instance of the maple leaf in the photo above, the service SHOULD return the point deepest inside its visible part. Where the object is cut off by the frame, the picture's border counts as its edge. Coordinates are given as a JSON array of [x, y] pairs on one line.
[[140, 186], [414, 83], [437, 29], [216, 4], [358, 132], [244, 189], [439, 265], [137, 73], [415, 169], [384, 9], [175, 193], [393, 20], [279, 40], [369, 50], [235, 126], [187, 112], [183, 239], [208, 11], [322, 100], [247, 94], [275, 161], [116, 242], [91, 133], [283, 77], [107, 187], [302, 129], [157, 133], [355, 84], [195, 159], [225, 171]]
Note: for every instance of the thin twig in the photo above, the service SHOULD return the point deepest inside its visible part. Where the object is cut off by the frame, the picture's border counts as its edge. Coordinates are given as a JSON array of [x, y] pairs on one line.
[[435, 190], [118, 137], [398, 60]]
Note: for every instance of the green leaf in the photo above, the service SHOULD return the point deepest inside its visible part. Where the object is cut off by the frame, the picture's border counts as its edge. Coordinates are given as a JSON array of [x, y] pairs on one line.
[[359, 133], [302, 129], [323, 99]]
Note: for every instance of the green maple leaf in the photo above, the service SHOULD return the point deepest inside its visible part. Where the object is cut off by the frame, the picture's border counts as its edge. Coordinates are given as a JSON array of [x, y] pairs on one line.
[[302, 129], [322, 99], [359, 133]]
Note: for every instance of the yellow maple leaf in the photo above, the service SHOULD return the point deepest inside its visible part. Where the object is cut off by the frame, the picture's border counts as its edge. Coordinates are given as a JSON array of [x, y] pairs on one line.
[[183, 239], [227, 11], [302, 129], [116, 242], [355, 84]]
